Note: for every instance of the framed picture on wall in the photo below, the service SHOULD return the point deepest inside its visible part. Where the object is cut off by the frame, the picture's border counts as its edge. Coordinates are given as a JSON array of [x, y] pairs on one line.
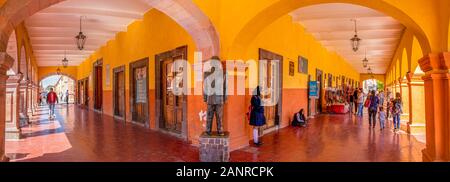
[[291, 68], [302, 65]]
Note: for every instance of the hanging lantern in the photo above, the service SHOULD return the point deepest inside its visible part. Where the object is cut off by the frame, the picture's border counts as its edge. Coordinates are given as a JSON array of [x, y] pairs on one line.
[[365, 61], [65, 61], [80, 38], [58, 71], [355, 40]]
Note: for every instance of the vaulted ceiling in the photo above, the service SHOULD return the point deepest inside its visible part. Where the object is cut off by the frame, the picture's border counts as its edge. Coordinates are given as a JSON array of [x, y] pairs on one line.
[[52, 31], [331, 25]]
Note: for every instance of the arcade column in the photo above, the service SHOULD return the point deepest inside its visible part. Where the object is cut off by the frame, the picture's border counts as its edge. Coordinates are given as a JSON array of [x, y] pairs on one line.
[[30, 100], [23, 90], [416, 104], [437, 99], [404, 118], [6, 62], [13, 128]]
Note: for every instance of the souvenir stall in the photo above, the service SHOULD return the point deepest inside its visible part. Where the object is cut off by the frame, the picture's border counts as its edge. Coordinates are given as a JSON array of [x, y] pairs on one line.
[[336, 101]]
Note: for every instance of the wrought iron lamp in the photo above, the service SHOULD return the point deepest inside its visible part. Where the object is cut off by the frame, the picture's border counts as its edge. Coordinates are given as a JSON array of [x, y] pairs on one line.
[[58, 71], [65, 61], [81, 38], [365, 61], [355, 40]]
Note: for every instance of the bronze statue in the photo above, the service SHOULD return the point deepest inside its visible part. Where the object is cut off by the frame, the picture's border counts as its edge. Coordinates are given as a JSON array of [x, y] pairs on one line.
[[215, 100]]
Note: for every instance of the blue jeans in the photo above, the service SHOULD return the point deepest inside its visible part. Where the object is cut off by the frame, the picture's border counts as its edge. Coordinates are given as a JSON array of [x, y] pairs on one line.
[[373, 117], [51, 109], [360, 109], [382, 124], [396, 121]]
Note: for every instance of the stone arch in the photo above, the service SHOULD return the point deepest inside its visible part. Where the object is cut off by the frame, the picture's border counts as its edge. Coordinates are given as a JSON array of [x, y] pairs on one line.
[[282, 7], [23, 62], [185, 13], [12, 51], [43, 77]]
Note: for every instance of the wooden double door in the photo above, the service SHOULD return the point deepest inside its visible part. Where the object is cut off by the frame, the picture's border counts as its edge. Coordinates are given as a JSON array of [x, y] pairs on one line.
[[83, 92], [119, 92], [271, 78], [171, 107], [139, 101]]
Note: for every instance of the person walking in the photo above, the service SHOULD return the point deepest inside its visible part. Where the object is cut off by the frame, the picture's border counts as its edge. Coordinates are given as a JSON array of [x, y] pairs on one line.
[[52, 99], [382, 118], [355, 99], [397, 110], [381, 96], [351, 101], [373, 109], [257, 118], [67, 97], [360, 103]]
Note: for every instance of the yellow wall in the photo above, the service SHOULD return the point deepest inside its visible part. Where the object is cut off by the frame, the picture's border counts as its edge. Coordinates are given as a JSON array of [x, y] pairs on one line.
[[70, 71], [378, 77], [155, 34], [290, 40]]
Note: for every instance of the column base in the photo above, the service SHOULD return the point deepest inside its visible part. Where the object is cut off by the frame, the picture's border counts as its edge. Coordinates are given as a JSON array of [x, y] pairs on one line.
[[24, 120], [4, 159], [13, 134], [427, 158], [214, 148]]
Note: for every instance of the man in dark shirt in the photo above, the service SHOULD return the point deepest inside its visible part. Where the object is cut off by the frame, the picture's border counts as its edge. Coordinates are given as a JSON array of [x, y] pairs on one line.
[[355, 99]]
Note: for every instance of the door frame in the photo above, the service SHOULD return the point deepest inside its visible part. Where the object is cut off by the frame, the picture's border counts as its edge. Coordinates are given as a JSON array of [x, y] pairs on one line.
[[98, 63], [138, 64], [80, 83], [274, 56], [320, 100], [180, 51], [115, 91]]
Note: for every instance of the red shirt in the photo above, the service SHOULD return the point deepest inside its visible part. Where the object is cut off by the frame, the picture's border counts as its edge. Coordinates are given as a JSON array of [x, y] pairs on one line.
[[52, 98]]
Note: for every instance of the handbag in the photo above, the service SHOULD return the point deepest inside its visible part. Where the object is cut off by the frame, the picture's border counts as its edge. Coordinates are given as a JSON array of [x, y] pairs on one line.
[[250, 108], [368, 102]]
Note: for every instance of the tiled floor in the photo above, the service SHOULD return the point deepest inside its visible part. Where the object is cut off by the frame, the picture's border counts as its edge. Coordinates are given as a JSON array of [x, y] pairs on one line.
[[80, 135]]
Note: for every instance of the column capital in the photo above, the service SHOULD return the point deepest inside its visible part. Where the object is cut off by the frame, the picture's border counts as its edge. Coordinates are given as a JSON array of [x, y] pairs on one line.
[[409, 76], [6, 62], [435, 63]]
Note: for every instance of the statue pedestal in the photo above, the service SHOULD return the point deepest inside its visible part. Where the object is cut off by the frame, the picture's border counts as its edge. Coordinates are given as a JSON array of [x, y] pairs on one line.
[[214, 148]]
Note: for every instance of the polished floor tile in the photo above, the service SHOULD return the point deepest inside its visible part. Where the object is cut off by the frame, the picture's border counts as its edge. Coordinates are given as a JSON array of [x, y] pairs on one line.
[[80, 135]]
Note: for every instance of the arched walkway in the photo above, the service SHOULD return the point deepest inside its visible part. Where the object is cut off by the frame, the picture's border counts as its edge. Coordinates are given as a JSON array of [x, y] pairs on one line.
[[283, 7], [185, 13]]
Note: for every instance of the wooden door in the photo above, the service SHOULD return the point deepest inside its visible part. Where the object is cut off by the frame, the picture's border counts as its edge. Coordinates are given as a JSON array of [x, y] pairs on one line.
[[98, 85], [139, 92], [172, 104], [272, 79], [80, 92], [86, 92], [119, 92], [171, 109]]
